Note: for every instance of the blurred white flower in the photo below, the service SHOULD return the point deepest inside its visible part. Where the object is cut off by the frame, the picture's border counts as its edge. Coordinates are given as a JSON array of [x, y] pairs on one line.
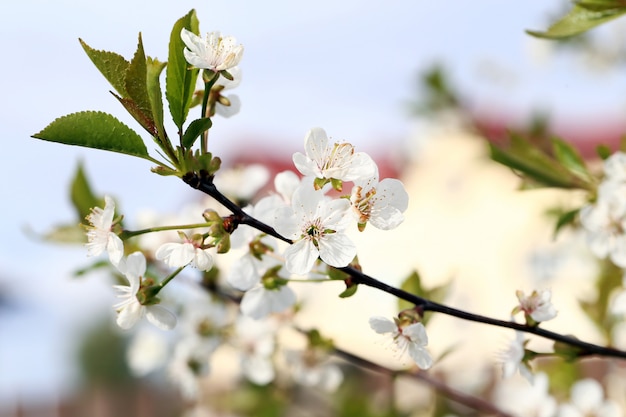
[[411, 338], [100, 236], [513, 359], [519, 398], [605, 220], [189, 363], [215, 52], [337, 161], [260, 302], [147, 351], [177, 255], [313, 370], [130, 310], [379, 203], [242, 183], [317, 226], [587, 400], [537, 305], [255, 339]]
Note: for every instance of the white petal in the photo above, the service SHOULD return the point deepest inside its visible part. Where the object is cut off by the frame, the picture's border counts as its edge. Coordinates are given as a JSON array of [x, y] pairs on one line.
[[281, 298], [301, 256], [382, 325], [315, 144], [421, 356], [160, 317], [587, 395], [253, 304], [115, 248], [362, 166], [176, 254], [417, 333], [203, 259], [337, 249], [286, 183], [129, 315], [243, 275], [304, 164], [258, 369], [392, 190], [334, 213], [286, 223]]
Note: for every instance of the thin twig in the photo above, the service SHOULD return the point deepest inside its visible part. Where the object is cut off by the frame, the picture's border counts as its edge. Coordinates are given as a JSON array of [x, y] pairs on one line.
[[205, 184]]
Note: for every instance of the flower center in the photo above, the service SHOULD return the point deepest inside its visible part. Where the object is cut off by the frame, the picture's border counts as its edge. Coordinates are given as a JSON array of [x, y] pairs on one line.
[[338, 156], [313, 231]]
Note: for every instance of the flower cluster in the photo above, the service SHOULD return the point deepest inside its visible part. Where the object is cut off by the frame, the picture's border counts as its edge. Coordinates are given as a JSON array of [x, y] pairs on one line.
[[605, 220]]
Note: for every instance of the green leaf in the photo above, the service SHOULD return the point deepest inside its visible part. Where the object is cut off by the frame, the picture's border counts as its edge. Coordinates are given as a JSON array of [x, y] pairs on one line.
[[137, 88], [413, 285], [180, 81], [82, 195], [195, 129], [111, 65], [569, 157], [154, 69], [565, 219], [523, 156], [603, 151], [581, 18], [349, 291], [96, 130]]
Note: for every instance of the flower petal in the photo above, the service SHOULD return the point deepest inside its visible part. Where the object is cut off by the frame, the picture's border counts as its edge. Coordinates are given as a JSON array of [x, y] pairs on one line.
[[160, 317]]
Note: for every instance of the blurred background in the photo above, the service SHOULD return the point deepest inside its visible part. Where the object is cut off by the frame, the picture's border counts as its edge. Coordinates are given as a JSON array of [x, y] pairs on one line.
[[359, 69]]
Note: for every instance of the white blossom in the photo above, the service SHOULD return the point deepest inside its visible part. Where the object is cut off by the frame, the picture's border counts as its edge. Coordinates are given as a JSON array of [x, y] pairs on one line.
[[259, 302], [513, 359], [337, 161], [317, 225], [379, 203], [189, 362], [177, 255], [242, 183], [605, 220], [233, 104], [146, 352], [100, 236], [130, 310], [411, 338], [519, 398], [255, 339], [313, 370], [537, 305], [587, 400], [215, 52]]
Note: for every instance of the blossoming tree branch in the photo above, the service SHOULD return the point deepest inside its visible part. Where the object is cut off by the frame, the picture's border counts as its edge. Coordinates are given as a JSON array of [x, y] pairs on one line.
[[297, 233]]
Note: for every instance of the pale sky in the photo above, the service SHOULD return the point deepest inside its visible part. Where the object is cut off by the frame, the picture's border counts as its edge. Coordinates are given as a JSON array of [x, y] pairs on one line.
[[349, 67]]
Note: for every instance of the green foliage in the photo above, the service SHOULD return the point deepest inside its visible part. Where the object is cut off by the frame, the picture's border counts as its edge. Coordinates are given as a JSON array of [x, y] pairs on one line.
[[610, 278], [585, 15], [102, 356], [82, 195], [565, 218], [413, 284], [180, 80], [194, 130], [111, 65], [96, 130], [561, 168], [437, 92], [154, 68]]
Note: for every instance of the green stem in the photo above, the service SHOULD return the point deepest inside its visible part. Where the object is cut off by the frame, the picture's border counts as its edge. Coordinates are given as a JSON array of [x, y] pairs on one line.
[[163, 283], [205, 100], [126, 234]]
